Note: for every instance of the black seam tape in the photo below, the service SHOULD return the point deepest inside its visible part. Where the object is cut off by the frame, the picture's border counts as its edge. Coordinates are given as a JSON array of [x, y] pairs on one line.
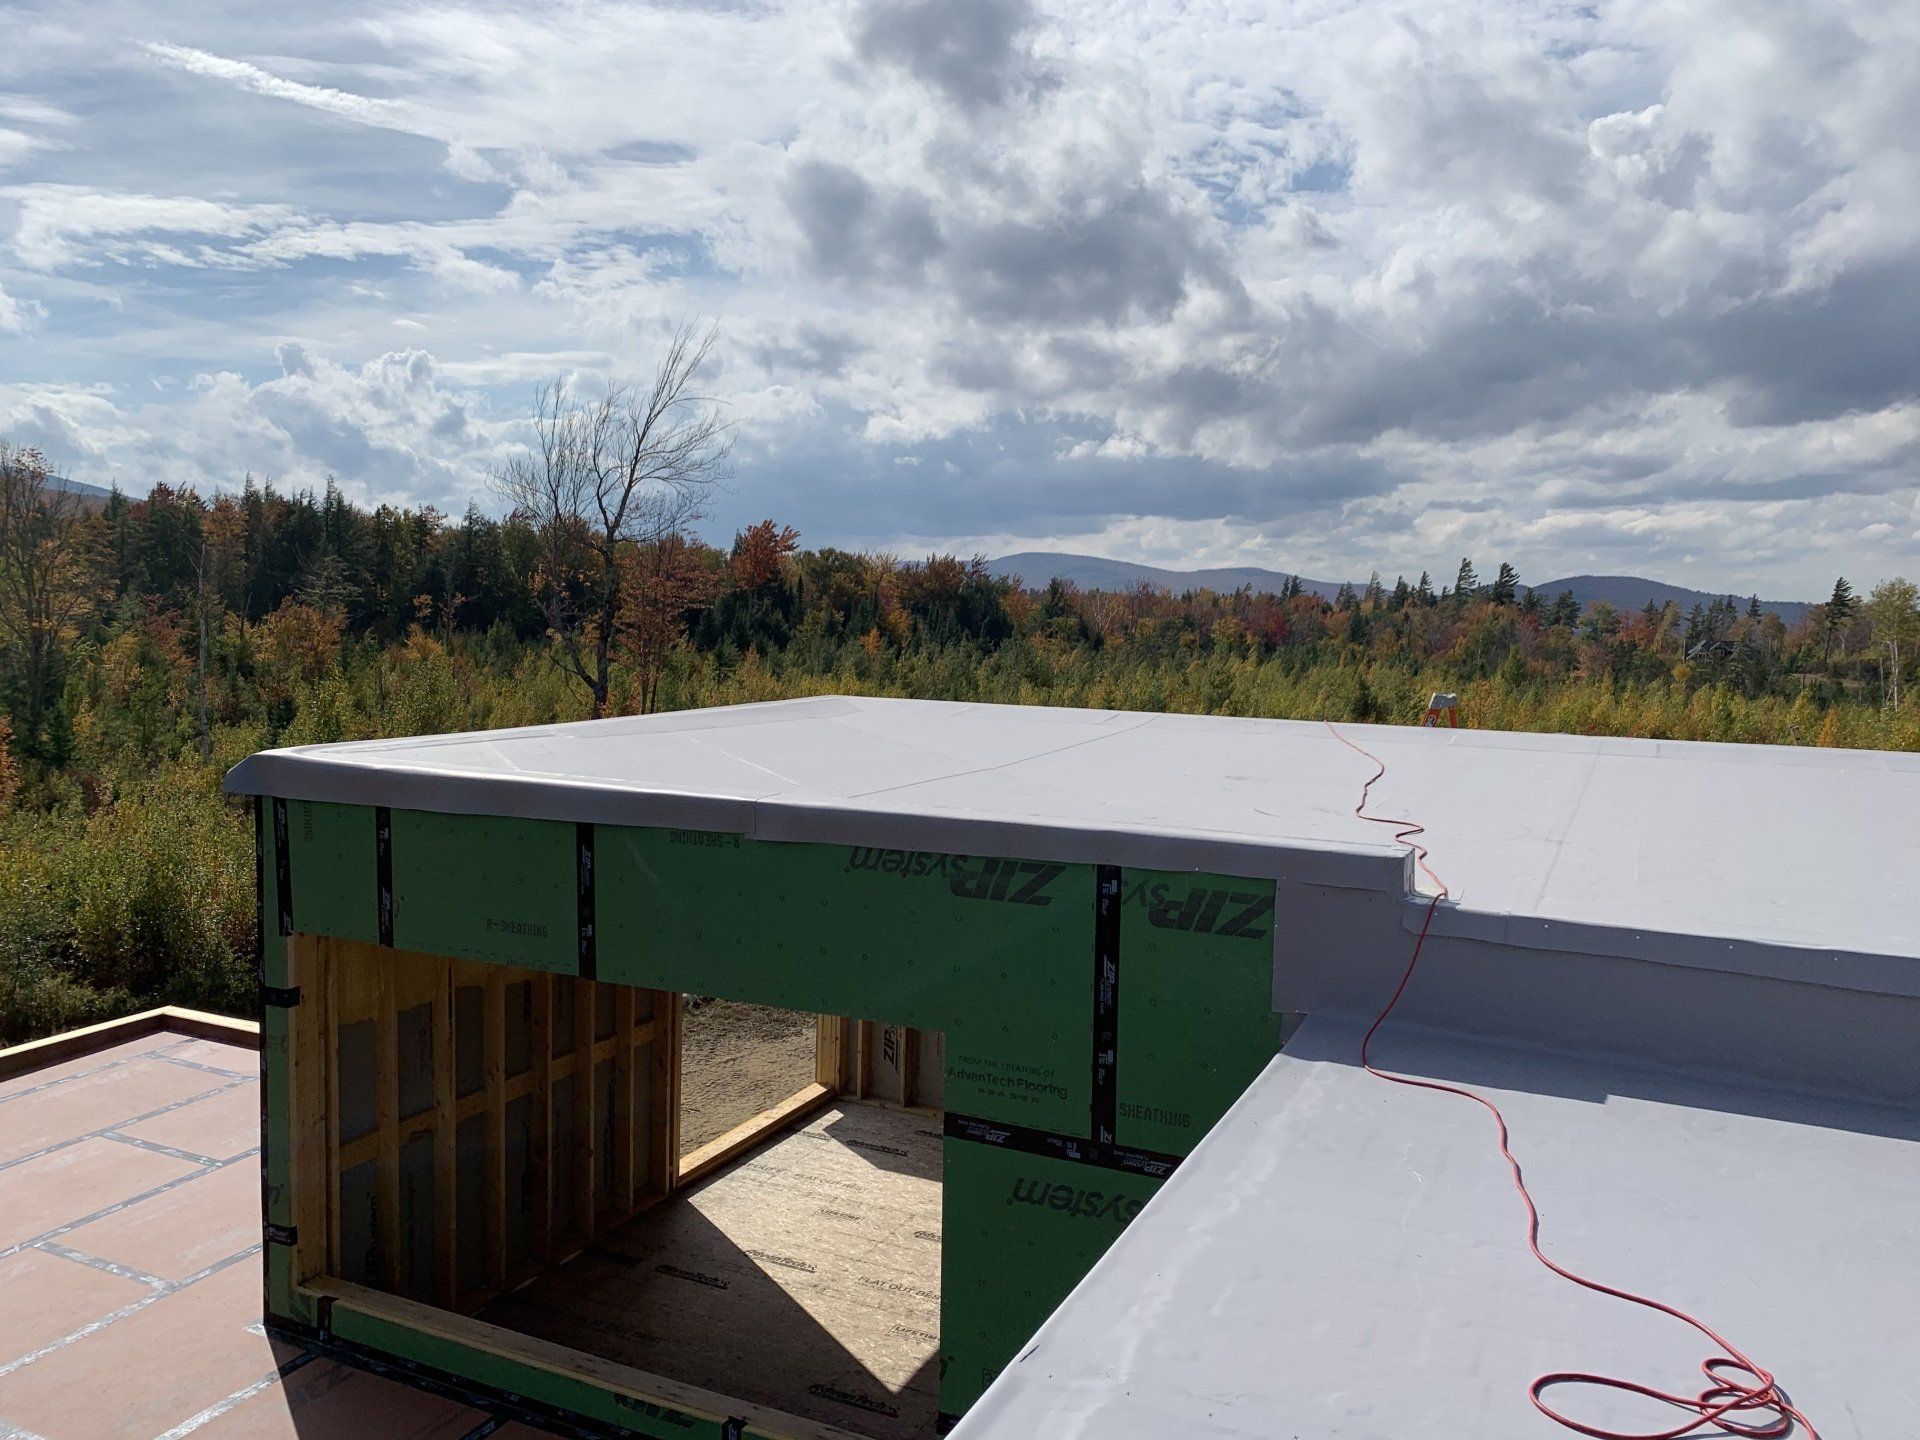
[[383, 870], [282, 867], [1106, 1001], [283, 1234], [589, 940], [1148, 1163], [285, 998], [259, 891]]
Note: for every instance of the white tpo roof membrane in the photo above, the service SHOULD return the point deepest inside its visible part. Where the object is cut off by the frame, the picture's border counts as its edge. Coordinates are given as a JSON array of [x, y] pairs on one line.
[[1774, 845], [1344, 1259]]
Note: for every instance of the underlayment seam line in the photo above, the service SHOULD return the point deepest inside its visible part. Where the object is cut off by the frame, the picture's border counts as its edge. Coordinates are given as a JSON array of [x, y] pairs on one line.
[[187, 1064], [237, 1398], [106, 1132], [92, 1327], [192, 1157], [1559, 842], [1003, 765], [160, 1291], [113, 1209], [77, 1075], [100, 1262]]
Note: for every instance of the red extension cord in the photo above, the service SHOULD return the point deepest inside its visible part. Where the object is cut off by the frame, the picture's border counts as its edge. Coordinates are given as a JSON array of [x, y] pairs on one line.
[[1735, 1384]]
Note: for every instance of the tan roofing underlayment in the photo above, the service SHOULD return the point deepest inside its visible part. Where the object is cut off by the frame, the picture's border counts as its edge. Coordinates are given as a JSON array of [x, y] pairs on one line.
[[130, 1279]]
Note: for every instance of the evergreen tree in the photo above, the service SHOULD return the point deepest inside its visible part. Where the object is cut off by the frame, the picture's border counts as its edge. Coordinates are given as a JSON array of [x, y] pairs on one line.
[[1402, 593], [1465, 582], [1566, 610], [1424, 590], [1290, 587], [1376, 596], [1753, 607], [1344, 600], [1506, 585], [1840, 610], [1697, 627]]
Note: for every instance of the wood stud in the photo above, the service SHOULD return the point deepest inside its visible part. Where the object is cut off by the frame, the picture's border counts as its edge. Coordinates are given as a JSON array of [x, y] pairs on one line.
[[348, 983]]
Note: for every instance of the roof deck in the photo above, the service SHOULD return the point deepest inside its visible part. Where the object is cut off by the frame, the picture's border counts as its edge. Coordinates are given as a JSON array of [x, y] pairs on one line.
[[130, 1264], [1624, 847], [1345, 1259]]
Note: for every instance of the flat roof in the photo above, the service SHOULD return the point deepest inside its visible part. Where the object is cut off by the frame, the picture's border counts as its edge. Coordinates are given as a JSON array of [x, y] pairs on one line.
[[130, 1265], [1344, 1259], [1561, 841]]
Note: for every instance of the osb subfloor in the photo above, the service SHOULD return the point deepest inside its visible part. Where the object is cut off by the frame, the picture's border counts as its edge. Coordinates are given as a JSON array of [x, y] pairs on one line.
[[805, 1277], [130, 1266]]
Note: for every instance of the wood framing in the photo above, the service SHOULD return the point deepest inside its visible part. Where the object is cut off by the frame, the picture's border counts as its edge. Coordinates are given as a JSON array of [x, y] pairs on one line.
[[555, 1084], [457, 1127], [507, 1354], [752, 1131]]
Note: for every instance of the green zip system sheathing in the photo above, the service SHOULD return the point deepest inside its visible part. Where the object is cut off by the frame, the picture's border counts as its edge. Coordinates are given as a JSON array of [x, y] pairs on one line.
[[1098, 1020]]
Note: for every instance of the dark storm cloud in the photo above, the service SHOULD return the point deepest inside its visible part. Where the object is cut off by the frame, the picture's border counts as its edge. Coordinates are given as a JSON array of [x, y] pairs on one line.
[[973, 51], [1851, 346], [1114, 250], [853, 231], [1010, 476], [1127, 253]]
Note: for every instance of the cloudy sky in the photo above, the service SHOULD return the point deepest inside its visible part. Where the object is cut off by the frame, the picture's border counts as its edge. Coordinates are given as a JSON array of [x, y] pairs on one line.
[[1302, 283]]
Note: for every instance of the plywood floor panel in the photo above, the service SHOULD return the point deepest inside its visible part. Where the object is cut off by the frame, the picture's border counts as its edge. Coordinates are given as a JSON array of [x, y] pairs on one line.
[[805, 1276]]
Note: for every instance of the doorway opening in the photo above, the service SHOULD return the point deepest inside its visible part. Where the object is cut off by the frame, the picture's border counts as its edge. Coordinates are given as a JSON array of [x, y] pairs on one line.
[[796, 1262]]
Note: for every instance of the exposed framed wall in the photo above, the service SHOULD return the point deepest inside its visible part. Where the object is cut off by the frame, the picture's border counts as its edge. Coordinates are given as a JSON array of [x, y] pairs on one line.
[[457, 1125], [1094, 1022]]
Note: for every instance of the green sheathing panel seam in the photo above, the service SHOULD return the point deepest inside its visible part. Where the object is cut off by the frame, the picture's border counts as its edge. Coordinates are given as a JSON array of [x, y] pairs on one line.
[[475, 887], [331, 854], [565, 1390], [481, 888], [1196, 1010], [276, 1199]]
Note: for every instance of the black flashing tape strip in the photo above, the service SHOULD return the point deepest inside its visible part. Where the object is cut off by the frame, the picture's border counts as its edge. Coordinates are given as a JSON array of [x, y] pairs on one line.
[[284, 997], [589, 941], [282, 1234], [1106, 1001], [259, 891], [943, 1421], [260, 978], [383, 871], [282, 867], [473, 1393], [1148, 1163]]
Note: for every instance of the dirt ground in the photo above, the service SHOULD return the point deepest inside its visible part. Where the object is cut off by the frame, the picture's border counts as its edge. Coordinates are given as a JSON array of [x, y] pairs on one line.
[[739, 1060]]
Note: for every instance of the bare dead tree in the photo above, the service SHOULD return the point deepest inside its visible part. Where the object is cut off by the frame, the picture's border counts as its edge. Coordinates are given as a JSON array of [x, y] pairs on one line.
[[629, 467]]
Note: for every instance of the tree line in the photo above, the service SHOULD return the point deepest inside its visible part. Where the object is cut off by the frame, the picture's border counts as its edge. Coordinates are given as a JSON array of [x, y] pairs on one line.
[[149, 642]]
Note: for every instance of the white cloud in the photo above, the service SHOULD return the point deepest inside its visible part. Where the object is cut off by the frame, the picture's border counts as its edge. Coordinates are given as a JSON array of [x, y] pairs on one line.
[[348, 106], [1322, 287], [17, 315]]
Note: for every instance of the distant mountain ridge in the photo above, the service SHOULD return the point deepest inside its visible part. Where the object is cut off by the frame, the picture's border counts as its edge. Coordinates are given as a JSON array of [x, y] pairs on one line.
[[79, 487], [1035, 568]]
